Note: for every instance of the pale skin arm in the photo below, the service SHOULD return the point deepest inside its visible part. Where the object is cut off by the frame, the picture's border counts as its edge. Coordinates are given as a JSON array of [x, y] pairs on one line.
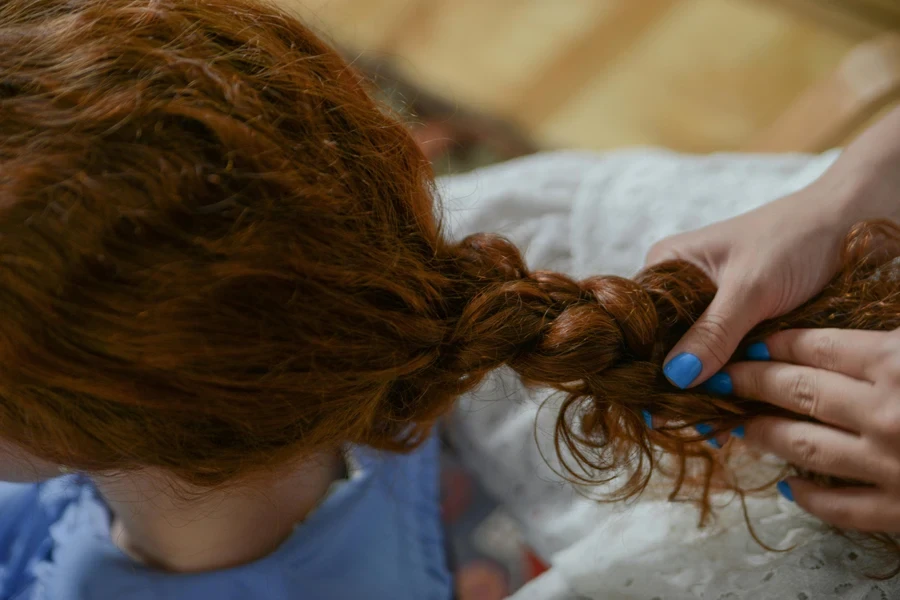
[[769, 261]]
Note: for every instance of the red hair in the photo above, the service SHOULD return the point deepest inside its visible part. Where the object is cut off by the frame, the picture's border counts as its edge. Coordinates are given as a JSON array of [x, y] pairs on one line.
[[218, 253]]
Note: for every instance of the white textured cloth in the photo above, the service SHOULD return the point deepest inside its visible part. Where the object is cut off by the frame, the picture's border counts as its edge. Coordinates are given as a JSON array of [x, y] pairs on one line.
[[599, 214]]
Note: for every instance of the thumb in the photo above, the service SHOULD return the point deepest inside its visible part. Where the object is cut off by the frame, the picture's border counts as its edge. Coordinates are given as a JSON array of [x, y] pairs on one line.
[[713, 338]]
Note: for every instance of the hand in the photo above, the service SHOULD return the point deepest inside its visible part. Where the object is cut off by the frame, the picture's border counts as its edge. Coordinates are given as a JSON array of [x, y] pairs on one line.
[[770, 260], [849, 382], [764, 263]]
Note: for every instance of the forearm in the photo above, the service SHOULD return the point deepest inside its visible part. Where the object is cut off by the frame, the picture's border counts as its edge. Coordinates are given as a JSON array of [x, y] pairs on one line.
[[867, 174]]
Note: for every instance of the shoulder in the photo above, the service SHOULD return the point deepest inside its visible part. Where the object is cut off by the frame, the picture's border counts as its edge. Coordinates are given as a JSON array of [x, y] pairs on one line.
[[32, 517]]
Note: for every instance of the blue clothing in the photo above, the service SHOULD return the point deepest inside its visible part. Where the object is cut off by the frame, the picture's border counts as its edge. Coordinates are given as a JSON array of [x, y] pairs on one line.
[[377, 536]]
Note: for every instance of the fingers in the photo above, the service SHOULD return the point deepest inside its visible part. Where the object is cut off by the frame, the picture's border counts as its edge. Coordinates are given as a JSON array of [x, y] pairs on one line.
[[861, 509], [847, 351], [711, 341], [823, 395], [825, 450]]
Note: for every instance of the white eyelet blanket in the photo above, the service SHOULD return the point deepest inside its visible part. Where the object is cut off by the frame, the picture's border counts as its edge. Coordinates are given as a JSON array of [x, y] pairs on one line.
[[587, 214]]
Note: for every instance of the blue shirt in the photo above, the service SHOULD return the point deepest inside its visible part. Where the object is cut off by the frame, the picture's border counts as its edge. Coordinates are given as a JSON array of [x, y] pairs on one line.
[[377, 536]]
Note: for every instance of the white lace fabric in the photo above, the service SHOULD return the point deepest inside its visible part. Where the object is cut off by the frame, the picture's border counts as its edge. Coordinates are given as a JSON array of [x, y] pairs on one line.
[[599, 214]]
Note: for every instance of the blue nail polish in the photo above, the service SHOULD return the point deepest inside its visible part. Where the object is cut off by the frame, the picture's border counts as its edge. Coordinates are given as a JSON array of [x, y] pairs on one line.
[[738, 432], [704, 429], [758, 351], [683, 369], [785, 490], [648, 418], [720, 384]]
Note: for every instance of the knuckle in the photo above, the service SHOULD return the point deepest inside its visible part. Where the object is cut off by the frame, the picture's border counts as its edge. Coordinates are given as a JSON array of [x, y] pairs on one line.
[[802, 390], [805, 453], [825, 352], [713, 333], [887, 423]]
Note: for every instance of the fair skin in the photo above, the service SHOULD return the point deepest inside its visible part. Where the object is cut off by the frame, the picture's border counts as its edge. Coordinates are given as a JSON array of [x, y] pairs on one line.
[[771, 260], [765, 263], [175, 527], [850, 382], [194, 529]]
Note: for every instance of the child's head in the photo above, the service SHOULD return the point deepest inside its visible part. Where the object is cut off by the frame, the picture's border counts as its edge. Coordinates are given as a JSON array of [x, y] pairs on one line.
[[217, 253]]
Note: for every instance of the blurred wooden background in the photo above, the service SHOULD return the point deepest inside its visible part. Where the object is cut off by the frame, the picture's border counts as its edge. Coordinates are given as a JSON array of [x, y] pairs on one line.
[[693, 75]]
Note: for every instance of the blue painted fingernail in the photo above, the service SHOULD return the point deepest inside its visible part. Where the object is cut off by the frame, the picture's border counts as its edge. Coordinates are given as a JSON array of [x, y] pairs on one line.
[[704, 429], [784, 489], [738, 432], [720, 384], [683, 369], [648, 418], [758, 351]]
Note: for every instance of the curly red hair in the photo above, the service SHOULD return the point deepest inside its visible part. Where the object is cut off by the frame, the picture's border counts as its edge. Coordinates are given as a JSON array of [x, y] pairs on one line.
[[218, 253]]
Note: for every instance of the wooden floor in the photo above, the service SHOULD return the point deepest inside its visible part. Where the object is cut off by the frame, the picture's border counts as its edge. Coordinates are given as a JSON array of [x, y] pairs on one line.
[[693, 75]]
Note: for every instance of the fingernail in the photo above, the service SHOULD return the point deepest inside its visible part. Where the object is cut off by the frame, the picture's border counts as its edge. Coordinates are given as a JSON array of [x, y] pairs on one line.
[[704, 429], [648, 418], [720, 383], [683, 369], [784, 489], [758, 351], [738, 432]]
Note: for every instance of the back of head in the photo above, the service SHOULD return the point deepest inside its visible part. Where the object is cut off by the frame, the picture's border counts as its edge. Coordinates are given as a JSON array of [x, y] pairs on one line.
[[215, 249], [218, 253]]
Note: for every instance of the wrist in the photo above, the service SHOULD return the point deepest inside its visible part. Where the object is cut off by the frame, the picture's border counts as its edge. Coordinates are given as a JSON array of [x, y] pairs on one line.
[[870, 171], [875, 196], [861, 192]]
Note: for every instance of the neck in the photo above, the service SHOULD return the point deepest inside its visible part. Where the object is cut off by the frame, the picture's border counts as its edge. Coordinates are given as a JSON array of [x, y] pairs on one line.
[[204, 530]]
